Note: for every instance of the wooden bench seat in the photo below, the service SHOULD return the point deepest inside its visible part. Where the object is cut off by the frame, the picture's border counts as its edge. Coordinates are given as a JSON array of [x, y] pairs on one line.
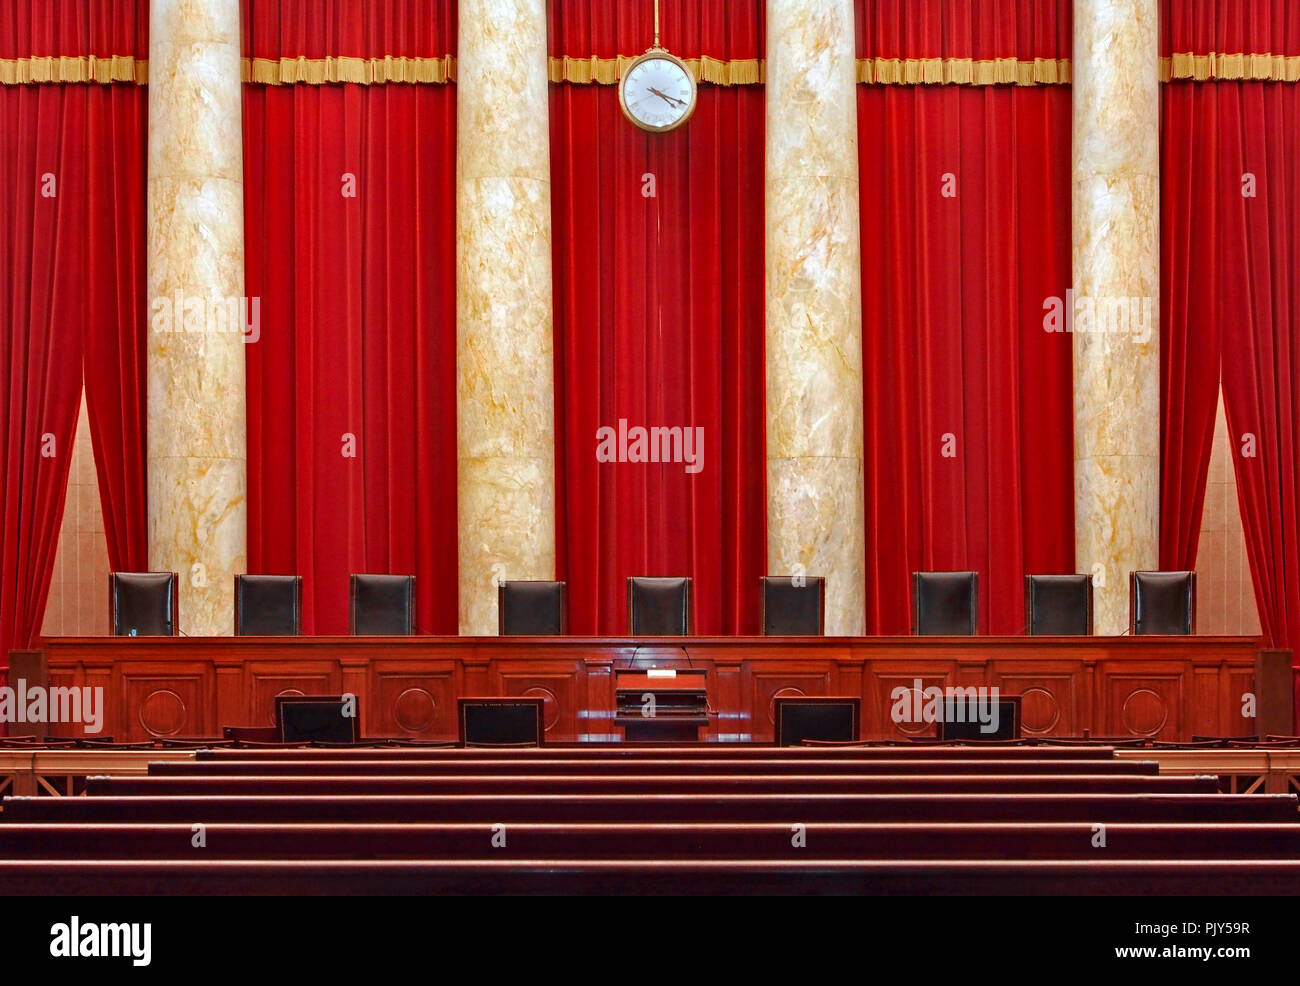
[[837, 806], [891, 840], [623, 877], [622, 751], [700, 783], [629, 768]]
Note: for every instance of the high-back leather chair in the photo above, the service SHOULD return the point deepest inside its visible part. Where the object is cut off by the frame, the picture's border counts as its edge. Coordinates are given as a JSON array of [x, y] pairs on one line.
[[383, 605], [268, 605], [1162, 603], [530, 608], [945, 603], [143, 604], [1058, 605], [658, 607], [794, 606]]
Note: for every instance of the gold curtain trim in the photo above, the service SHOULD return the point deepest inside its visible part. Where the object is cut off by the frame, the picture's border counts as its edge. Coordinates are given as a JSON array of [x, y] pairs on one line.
[[1216, 65], [107, 69], [73, 68], [964, 71], [607, 71], [346, 68]]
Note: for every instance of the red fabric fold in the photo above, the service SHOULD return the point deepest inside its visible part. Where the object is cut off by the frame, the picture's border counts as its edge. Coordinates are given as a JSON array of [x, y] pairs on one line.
[[355, 28], [658, 323], [980, 29], [71, 278], [352, 385], [1230, 188], [75, 28], [721, 29], [1202, 27], [968, 413]]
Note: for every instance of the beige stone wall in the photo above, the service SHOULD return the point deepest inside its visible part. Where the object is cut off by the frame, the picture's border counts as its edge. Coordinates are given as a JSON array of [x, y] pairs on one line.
[[1225, 594], [78, 600]]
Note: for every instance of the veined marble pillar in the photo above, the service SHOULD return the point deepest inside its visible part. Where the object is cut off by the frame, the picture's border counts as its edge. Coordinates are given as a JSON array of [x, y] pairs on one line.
[[197, 463], [814, 305], [505, 400], [1116, 204]]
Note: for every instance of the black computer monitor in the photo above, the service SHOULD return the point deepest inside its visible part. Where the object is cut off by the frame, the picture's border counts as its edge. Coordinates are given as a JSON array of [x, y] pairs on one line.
[[501, 721], [962, 719], [831, 720], [317, 719]]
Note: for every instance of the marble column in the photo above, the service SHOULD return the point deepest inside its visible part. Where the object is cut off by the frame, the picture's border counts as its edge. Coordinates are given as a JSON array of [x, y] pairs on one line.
[[505, 400], [814, 305], [197, 463], [1115, 309]]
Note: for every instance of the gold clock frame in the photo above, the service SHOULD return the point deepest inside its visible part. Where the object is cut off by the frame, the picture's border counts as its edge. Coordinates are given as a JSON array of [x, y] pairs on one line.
[[660, 54]]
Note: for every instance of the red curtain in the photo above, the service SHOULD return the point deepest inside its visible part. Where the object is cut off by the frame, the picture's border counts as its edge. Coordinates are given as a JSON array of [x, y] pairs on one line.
[[1200, 27], [1230, 186], [116, 402], [982, 29], [71, 283], [659, 319], [1261, 329], [968, 409], [43, 197], [350, 247], [275, 29], [1190, 313]]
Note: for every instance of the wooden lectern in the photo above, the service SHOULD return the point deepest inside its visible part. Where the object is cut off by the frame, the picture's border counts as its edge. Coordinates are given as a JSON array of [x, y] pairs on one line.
[[660, 705]]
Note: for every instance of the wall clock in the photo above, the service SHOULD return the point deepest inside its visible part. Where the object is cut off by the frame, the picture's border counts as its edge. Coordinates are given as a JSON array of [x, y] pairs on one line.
[[657, 92]]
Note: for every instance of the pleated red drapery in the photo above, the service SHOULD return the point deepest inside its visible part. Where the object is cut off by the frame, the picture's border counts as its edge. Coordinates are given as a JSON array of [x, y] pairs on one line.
[[658, 286], [1230, 185], [350, 249], [968, 415], [71, 287]]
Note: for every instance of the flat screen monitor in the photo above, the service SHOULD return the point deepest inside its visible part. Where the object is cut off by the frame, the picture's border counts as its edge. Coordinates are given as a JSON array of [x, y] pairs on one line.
[[830, 720], [316, 719], [980, 718], [501, 721]]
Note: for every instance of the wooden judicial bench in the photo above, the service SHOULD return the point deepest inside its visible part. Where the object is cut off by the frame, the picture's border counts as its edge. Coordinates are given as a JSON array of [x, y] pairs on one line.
[[1167, 688]]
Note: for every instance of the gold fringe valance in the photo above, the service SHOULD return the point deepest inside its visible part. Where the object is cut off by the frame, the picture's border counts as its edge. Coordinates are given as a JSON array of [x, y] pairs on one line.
[[345, 68], [964, 71], [607, 71], [871, 71], [1240, 67], [73, 68]]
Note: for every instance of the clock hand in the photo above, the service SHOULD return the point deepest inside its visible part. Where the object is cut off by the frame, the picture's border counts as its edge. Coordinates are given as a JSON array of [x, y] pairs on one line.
[[666, 97]]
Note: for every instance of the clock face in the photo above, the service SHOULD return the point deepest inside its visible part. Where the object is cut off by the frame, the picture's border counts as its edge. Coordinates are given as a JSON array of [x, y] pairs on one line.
[[657, 92]]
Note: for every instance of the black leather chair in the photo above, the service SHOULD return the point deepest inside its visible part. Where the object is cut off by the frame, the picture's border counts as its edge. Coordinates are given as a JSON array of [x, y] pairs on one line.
[[143, 604], [1058, 605], [530, 608], [268, 605], [1162, 603], [794, 610], [658, 607], [383, 605], [945, 603]]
